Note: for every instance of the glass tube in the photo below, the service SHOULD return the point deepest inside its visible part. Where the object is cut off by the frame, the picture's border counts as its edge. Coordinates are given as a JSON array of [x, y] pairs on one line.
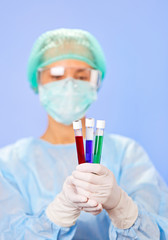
[[89, 123], [100, 125], [77, 126]]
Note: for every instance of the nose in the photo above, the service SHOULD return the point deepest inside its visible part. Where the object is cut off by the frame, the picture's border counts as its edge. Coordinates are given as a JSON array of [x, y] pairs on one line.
[[69, 73]]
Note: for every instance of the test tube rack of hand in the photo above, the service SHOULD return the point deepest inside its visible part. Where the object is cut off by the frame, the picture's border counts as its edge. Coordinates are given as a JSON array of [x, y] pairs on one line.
[[89, 157]]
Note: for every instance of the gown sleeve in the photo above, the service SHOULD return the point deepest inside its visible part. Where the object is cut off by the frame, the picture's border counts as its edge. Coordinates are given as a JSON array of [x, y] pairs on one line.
[[139, 178], [16, 218]]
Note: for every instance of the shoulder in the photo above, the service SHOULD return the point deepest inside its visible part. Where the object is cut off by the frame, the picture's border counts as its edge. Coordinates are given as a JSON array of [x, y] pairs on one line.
[[16, 149], [119, 141], [126, 157], [124, 147]]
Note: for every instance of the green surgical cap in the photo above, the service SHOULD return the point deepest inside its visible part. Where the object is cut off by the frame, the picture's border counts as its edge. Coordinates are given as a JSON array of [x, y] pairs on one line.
[[62, 44]]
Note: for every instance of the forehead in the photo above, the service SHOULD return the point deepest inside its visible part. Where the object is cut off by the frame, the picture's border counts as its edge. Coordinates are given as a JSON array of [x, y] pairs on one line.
[[70, 63]]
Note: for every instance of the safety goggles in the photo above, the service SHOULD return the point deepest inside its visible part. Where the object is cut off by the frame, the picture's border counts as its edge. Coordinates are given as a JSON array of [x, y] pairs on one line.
[[58, 73]]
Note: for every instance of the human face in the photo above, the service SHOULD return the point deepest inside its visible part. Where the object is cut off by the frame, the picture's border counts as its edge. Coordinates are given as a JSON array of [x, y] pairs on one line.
[[68, 98]]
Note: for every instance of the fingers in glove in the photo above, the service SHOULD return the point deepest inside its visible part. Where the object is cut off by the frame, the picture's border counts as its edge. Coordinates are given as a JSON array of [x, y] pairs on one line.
[[92, 210], [85, 185], [76, 198], [89, 204], [88, 177], [71, 193], [92, 168], [94, 213], [83, 192]]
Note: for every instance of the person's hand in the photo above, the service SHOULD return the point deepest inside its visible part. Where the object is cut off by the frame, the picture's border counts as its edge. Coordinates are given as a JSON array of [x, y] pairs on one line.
[[97, 182], [66, 207], [78, 200]]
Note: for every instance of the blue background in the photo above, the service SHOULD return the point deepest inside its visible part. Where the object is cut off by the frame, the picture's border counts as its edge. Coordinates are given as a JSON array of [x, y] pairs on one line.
[[133, 99]]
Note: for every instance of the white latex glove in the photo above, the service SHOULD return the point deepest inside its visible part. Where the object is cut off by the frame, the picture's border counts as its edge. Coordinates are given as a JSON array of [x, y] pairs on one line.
[[66, 207], [97, 182]]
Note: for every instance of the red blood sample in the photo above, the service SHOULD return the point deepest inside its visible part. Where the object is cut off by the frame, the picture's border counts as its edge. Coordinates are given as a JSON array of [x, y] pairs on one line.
[[80, 149]]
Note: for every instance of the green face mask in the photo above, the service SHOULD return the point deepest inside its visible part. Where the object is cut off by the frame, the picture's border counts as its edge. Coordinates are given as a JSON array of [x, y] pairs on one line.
[[67, 100]]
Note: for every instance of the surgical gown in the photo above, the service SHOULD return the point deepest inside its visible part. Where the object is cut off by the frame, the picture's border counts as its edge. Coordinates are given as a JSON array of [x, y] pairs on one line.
[[32, 173]]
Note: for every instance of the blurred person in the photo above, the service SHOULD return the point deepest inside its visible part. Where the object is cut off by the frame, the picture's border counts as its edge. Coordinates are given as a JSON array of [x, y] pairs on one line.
[[44, 193]]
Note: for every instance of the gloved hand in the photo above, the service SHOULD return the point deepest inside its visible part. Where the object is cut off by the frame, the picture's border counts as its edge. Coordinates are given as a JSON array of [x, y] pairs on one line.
[[67, 205], [97, 182]]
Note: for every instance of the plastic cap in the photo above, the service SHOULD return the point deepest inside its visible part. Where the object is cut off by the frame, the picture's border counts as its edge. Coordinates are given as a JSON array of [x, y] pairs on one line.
[[100, 124], [77, 124], [89, 122]]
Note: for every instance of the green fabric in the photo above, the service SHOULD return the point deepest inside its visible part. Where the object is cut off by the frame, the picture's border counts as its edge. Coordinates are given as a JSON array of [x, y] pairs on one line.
[[62, 44]]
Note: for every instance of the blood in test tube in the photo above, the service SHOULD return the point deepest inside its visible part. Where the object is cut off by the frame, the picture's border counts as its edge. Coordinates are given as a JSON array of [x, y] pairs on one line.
[[77, 126], [89, 123], [100, 125]]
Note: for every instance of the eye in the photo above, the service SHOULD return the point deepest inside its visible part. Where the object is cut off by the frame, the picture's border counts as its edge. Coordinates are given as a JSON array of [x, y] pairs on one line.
[[82, 78], [57, 77], [83, 75]]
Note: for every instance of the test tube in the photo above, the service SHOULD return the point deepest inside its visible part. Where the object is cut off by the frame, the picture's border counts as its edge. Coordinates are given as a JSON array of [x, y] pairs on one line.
[[89, 123], [77, 126], [100, 125]]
